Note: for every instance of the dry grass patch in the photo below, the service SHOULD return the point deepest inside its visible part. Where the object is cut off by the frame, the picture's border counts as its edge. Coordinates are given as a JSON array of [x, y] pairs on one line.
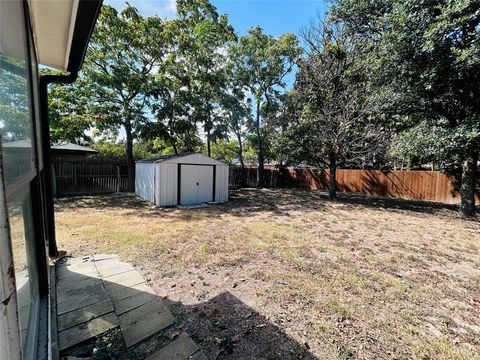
[[357, 278]]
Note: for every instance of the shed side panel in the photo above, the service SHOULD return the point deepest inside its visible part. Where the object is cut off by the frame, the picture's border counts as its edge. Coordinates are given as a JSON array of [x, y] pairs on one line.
[[221, 183], [167, 173], [144, 181]]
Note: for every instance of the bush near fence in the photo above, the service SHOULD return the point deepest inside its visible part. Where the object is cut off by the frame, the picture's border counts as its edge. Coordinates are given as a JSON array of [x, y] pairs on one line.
[[417, 185]]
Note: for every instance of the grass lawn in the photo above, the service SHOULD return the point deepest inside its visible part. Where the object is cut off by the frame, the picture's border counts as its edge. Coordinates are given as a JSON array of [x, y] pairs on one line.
[[286, 274]]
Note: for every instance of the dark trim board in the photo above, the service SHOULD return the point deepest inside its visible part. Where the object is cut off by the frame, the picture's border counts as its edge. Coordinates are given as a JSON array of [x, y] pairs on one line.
[[179, 180], [214, 181], [87, 14], [196, 164]]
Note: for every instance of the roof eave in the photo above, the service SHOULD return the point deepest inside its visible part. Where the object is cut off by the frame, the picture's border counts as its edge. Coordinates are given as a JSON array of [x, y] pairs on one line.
[[62, 43]]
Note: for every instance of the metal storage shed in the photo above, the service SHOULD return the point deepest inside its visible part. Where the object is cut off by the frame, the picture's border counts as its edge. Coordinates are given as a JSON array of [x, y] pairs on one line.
[[183, 179]]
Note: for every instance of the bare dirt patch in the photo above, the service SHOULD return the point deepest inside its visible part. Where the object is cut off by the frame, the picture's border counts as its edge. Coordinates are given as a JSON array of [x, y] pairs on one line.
[[286, 274]]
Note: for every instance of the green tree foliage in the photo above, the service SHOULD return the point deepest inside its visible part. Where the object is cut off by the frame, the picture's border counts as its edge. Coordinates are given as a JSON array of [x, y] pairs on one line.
[[69, 116], [422, 58], [123, 53], [236, 112], [260, 62], [203, 36]]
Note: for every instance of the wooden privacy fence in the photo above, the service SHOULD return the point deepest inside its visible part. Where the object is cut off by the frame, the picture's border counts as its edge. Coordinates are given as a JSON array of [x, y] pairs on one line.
[[418, 185], [272, 178], [86, 176]]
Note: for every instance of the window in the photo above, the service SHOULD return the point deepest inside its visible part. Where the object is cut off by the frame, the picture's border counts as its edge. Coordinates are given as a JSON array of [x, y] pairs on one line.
[[15, 104], [25, 261], [21, 174]]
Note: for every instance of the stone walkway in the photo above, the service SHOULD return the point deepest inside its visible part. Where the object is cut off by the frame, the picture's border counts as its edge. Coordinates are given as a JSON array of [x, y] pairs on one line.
[[99, 293]]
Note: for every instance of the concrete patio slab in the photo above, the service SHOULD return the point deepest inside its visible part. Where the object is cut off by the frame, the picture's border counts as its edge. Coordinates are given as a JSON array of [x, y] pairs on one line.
[[78, 334], [67, 302], [68, 284], [85, 314], [147, 327], [149, 309], [110, 268], [122, 292], [98, 293], [132, 302], [181, 348]]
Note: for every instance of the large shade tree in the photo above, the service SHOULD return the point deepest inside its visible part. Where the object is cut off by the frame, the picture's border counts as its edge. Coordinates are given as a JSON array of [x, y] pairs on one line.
[[202, 36], [124, 54], [261, 63], [69, 117], [423, 62]]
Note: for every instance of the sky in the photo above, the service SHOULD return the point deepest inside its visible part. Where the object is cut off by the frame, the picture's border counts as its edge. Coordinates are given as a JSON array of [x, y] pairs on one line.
[[276, 17]]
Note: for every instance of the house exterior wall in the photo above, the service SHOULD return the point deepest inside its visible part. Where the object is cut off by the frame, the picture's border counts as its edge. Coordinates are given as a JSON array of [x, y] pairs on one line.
[[145, 181]]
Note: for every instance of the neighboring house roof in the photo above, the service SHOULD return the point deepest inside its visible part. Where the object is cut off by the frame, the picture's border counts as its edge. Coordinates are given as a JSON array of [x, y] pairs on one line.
[[17, 144], [59, 147], [72, 148]]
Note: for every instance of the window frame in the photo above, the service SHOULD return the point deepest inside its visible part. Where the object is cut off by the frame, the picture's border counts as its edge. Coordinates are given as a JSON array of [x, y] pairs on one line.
[[36, 341]]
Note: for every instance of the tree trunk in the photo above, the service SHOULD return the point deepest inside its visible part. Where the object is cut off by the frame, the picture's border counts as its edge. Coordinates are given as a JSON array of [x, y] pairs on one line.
[[261, 156], [240, 158], [130, 161], [209, 125], [468, 183], [209, 150], [332, 192]]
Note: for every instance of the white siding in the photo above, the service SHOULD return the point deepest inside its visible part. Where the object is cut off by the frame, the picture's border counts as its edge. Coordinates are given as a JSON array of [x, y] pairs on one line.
[[144, 181], [166, 191], [221, 183]]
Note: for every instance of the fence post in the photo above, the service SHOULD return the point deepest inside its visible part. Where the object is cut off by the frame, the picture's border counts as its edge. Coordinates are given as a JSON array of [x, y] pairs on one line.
[[118, 178]]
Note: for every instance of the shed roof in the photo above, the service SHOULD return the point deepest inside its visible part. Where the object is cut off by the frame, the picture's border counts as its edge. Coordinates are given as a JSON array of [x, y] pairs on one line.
[[194, 157], [164, 157]]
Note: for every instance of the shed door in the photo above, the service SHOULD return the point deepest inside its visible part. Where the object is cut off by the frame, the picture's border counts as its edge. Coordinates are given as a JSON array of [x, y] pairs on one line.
[[196, 184]]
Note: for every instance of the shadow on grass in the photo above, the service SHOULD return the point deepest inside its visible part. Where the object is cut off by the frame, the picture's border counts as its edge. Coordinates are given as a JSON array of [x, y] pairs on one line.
[[223, 327], [246, 202]]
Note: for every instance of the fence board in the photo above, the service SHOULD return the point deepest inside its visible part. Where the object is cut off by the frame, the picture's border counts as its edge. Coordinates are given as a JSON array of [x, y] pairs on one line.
[[418, 185], [86, 176], [79, 177]]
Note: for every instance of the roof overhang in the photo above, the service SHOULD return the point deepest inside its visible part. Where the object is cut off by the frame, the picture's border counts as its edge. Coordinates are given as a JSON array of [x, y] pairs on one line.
[[62, 30]]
